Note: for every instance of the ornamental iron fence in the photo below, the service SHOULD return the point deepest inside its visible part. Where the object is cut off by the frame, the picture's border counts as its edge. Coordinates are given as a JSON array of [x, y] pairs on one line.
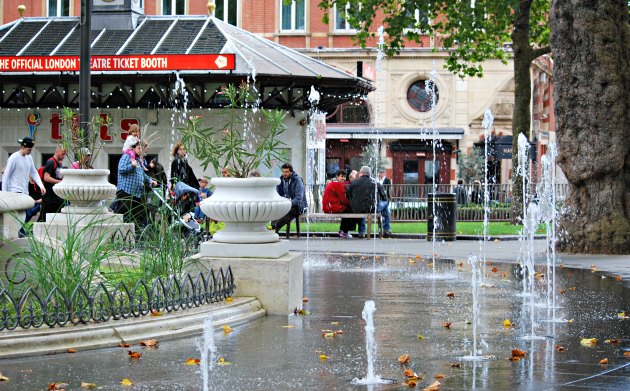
[[105, 302]]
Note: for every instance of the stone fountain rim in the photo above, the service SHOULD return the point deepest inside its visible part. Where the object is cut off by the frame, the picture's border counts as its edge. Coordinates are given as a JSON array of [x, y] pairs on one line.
[[244, 182], [86, 171]]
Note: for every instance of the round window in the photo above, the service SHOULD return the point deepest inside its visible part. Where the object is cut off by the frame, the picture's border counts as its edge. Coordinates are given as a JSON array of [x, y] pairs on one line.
[[420, 95]]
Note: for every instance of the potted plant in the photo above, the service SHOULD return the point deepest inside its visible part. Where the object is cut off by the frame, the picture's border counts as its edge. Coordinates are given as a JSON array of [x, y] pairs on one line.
[[85, 188], [244, 204]]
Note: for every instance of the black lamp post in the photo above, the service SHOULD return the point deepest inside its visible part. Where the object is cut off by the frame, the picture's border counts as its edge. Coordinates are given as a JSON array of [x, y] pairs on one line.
[[84, 69]]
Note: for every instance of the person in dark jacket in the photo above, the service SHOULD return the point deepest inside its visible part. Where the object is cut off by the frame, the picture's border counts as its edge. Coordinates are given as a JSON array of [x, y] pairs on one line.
[[367, 195], [180, 169], [292, 187], [461, 193]]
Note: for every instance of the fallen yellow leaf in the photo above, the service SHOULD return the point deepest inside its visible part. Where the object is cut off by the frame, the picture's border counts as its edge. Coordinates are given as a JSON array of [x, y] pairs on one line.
[[3, 378], [88, 386], [227, 329], [192, 361], [623, 315], [603, 361], [507, 323], [155, 312], [126, 382], [411, 383], [323, 357], [221, 361], [588, 342], [289, 326], [229, 299], [133, 354], [420, 337]]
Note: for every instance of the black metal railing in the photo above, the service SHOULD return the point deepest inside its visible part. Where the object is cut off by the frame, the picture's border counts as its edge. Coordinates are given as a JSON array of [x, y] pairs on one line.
[[104, 302], [408, 202]]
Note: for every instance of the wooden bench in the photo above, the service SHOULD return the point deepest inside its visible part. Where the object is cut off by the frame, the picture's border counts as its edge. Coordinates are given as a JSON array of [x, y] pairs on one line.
[[334, 216]]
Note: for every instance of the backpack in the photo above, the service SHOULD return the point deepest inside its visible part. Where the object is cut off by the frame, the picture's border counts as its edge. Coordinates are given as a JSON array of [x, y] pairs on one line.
[[40, 170]]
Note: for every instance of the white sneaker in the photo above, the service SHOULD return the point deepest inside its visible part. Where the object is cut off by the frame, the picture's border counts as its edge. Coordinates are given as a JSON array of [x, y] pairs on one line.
[[348, 236]]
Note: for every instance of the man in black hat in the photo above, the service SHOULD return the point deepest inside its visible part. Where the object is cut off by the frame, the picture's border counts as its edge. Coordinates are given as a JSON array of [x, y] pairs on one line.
[[20, 167]]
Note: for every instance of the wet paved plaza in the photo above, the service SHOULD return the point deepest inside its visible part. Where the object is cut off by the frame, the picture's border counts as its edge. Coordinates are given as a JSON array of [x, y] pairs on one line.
[[279, 352]]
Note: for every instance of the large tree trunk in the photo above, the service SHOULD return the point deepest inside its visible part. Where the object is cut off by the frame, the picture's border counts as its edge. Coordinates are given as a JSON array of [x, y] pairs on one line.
[[590, 42]]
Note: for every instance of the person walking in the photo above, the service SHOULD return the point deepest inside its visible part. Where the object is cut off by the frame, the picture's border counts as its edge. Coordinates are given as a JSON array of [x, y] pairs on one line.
[[20, 167], [335, 201], [460, 193], [130, 189], [366, 196], [51, 202], [292, 187]]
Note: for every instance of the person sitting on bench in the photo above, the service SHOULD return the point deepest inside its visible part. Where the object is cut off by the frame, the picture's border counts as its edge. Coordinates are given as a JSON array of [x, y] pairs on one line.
[[335, 201], [291, 187], [367, 195]]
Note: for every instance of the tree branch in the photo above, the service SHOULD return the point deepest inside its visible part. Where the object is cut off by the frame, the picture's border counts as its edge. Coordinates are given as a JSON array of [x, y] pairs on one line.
[[535, 53]]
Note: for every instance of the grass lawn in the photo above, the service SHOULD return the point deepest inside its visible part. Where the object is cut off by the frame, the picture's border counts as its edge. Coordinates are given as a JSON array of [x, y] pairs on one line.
[[420, 227]]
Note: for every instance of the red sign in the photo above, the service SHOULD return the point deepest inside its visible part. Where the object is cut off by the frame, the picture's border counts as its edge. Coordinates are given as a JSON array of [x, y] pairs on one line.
[[368, 72], [143, 62]]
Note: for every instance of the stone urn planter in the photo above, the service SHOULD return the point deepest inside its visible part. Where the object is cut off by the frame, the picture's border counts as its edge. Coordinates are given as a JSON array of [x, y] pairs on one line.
[[245, 205], [86, 189]]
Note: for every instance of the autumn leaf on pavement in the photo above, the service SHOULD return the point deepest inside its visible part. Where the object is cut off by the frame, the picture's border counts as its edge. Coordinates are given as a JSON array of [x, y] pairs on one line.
[[88, 386], [450, 294], [323, 357], [446, 325], [439, 376], [133, 354], [149, 342], [57, 386], [155, 312], [3, 378], [221, 361], [603, 361], [435, 386], [495, 269], [126, 382], [227, 329], [588, 342], [71, 350], [518, 353], [192, 361], [623, 315], [612, 341], [507, 323], [123, 345], [411, 383], [626, 354], [560, 348], [229, 299], [404, 359]]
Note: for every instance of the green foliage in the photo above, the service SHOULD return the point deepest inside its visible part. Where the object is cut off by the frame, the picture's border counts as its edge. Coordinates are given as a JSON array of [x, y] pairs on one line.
[[77, 140], [237, 145], [471, 166], [473, 34], [68, 263]]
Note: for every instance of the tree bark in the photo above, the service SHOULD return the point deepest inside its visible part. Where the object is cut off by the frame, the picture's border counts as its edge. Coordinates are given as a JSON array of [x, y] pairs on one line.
[[590, 42], [521, 116]]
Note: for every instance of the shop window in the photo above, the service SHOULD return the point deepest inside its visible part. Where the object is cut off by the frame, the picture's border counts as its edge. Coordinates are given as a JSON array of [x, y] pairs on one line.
[[227, 11], [58, 7], [420, 98], [173, 7], [293, 15], [350, 113]]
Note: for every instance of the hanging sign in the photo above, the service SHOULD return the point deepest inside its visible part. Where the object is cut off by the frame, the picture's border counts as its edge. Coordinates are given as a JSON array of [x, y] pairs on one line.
[[141, 62]]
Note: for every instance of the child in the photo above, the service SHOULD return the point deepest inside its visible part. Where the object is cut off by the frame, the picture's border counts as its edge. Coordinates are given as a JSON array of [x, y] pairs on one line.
[[132, 138], [204, 193]]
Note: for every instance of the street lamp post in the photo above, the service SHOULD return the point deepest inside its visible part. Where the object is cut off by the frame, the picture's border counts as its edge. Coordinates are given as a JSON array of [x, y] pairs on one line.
[[84, 70]]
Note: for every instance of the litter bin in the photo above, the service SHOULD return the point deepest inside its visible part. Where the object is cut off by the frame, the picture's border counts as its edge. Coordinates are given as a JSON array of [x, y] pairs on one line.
[[445, 216]]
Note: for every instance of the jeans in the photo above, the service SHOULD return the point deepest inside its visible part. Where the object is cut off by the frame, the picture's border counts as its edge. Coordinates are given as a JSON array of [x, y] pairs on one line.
[[383, 209]]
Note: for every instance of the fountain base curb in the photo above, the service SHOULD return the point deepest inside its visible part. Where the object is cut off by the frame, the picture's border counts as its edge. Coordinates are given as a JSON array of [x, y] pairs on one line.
[[44, 340], [277, 283], [244, 250]]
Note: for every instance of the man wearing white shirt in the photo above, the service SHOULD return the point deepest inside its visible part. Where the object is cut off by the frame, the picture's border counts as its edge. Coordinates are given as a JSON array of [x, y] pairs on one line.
[[20, 168]]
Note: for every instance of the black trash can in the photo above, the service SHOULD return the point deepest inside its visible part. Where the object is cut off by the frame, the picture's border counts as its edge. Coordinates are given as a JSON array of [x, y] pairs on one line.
[[445, 216]]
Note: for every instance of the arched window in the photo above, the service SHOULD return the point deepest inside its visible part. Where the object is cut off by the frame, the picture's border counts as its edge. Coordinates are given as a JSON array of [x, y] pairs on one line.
[[350, 113], [58, 7], [173, 7]]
